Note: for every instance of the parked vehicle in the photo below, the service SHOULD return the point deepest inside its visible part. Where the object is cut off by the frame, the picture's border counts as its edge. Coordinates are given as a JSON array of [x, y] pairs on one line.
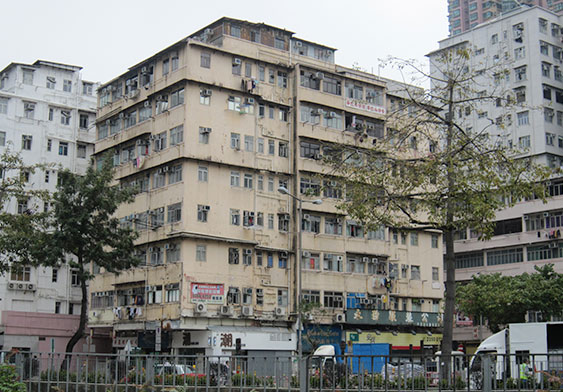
[[540, 343]]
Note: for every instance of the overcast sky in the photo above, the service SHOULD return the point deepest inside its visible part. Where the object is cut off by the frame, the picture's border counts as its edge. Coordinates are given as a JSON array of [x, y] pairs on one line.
[[106, 37]]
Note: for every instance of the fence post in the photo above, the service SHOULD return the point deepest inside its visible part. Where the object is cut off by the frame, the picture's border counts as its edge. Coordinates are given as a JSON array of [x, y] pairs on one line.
[[303, 384], [487, 374]]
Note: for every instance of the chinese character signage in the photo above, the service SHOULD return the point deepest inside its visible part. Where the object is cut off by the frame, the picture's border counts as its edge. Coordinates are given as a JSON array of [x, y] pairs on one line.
[[207, 292], [363, 105], [393, 317]]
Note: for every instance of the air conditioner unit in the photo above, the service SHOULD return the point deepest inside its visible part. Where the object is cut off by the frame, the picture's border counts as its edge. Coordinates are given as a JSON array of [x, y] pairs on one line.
[[237, 61], [247, 252], [339, 258], [250, 101], [298, 44], [365, 259], [201, 308], [340, 318], [121, 115], [546, 214], [553, 245], [279, 311], [338, 220], [134, 93], [30, 287], [206, 92], [205, 130], [11, 286], [208, 31], [147, 104], [20, 286], [108, 122], [283, 254], [247, 311], [319, 75], [4, 75], [128, 82], [317, 112], [306, 254], [330, 114], [139, 143], [307, 217], [526, 217], [144, 69], [205, 208], [317, 156], [167, 246], [226, 310], [151, 249]]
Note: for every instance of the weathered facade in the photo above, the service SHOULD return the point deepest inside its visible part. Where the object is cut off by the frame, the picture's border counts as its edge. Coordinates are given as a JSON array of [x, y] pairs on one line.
[[209, 129]]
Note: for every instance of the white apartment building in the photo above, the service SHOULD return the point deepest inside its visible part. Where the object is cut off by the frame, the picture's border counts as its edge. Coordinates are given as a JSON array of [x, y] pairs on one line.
[[528, 44], [47, 114]]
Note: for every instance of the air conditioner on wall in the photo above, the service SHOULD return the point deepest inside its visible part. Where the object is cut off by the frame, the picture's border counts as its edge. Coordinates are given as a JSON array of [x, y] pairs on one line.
[[201, 308], [226, 310], [247, 311], [340, 318], [279, 311]]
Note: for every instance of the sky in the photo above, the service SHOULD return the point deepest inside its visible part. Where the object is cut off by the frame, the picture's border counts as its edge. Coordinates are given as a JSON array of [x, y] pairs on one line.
[[106, 37]]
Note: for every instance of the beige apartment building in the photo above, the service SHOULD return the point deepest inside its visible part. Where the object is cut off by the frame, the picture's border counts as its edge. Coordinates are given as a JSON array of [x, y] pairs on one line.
[[209, 129]]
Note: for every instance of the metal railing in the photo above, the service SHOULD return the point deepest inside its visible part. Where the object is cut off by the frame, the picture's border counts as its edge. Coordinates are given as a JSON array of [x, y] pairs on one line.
[[122, 373]]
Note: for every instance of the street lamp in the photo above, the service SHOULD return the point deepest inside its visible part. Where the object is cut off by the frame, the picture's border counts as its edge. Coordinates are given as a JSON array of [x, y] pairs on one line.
[[284, 191]]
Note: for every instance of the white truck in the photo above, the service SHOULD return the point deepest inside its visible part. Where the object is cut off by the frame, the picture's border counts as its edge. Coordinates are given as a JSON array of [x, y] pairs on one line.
[[540, 343]]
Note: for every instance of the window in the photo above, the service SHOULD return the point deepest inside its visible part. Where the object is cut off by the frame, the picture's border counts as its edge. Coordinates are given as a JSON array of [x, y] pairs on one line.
[[549, 139], [249, 181], [284, 114], [83, 121], [332, 85], [310, 261], [29, 110], [173, 292], [67, 86], [175, 174], [201, 253], [544, 48], [271, 221], [20, 274], [247, 296], [548, 115], [63, 148], [2, 138], [523, 118], [271, 111], [3, 105], [159, 179], [354, 229], [156, 255], [237, 66], [176, 135], [434, 241], [310, 150], [333, 226], [175, 213], [283, 149], [494, 37], [547, 93], [248, 143], [233, 255], [50, 83], [27, 76], [414, 239], [310, 186], [26, 142], [282, 80], [279, 43], [177, 98], [175, 61], [333, 299], [261, 73], [87, 88], [235, 217], [271, 147], [355, 264], [519, 53], [248, 70], [57, 307], [235, 141], [205, 96], [235, 178], [233, 295], [247, 257], [311, 80], [271, 76], [235, 31], [204, 135], [160, 141], [283, 297], [260, 145], [543, 25], [505, 256], [546, 69], [283, 222], [311, 223], [202, 173], [332, 189], [165, 67], [202, 212], [65, 117], [524, 142], [435, 274], [415, 272], [205, 60]]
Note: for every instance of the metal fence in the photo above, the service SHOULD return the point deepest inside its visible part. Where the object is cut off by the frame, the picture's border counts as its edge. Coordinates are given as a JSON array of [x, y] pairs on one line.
[[108, 372]]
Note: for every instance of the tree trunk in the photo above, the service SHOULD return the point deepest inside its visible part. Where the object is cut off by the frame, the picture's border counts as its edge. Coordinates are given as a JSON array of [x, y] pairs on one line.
[[80, 331]]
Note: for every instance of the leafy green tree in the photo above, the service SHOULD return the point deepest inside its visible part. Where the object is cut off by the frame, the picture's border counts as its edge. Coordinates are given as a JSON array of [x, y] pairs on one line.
[[9, 379], [15, 229], [502, 299], [441, 164], [85, 232]]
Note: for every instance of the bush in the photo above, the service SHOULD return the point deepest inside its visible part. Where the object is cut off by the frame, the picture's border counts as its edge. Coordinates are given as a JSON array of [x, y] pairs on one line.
[[9, 381]]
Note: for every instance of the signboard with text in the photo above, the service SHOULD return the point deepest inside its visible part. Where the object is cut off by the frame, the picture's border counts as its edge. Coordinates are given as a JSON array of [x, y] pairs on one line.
[[393, 317], [207, 292], [365, 106]]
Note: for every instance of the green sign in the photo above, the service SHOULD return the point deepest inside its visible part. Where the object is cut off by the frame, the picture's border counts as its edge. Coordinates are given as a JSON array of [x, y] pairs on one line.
[[393, 317]]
